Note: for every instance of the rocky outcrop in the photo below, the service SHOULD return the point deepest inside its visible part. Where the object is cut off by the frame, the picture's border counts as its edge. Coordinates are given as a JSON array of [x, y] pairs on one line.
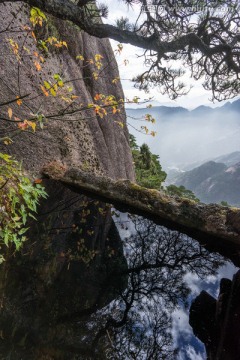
[[217, 226], [216, 322], [81, 138]]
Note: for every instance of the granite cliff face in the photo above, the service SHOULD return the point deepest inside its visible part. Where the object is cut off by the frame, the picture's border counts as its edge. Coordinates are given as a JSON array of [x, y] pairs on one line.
[[60, 272], [81, 138]]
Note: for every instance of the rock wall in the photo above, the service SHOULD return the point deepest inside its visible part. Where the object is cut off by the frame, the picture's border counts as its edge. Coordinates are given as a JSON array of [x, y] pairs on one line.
[[62, 271], [82, 138]]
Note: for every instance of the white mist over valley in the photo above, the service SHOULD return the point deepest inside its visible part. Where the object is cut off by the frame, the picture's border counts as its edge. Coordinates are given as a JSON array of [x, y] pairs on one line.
[[185, 139]]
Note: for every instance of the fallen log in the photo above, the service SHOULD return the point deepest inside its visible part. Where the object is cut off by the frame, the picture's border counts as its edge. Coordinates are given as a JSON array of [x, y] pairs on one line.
[[216, 227]]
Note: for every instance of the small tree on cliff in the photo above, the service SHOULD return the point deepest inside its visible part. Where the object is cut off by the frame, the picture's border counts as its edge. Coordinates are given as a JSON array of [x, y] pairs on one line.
[[148, 169], [204, 36]]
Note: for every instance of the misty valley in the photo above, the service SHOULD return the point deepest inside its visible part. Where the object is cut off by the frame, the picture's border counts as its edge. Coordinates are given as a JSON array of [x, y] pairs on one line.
[[198, 149]]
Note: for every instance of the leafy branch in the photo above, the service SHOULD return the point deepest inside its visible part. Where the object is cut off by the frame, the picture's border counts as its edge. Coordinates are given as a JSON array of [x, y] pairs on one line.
[[18, 201]]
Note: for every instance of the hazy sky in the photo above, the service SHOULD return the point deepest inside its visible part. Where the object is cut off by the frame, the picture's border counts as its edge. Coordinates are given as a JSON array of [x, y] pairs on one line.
[[183, 140], [197, 96]]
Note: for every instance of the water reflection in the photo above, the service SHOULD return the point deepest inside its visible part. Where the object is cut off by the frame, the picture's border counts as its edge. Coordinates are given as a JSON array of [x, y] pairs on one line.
[[89, 288], [138, 322]]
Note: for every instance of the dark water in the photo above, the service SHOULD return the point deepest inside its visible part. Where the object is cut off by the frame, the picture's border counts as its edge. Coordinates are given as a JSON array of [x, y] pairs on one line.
[[99, 284], [174, 269]]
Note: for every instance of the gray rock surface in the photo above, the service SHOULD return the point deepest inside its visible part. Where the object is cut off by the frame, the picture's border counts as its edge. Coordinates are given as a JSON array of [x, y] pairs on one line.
[[81, 138]]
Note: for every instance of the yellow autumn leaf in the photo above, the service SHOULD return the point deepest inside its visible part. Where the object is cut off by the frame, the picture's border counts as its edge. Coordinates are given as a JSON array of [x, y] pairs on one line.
[[114, 81], [7, 141], [98, 57], [153, 133], [60, 83], [47, 85], [10, 112], [32, 125], [53, 92], [95, 75], [79, 57], [98, 65], [145, 129], [26, 49], [120, 124], [67, 99]]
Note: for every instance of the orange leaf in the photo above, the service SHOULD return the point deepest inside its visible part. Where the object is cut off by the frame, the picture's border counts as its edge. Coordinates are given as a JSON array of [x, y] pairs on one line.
[[10, 112], [25, 27], [44, 90], [97, 97], [23, 125], [33, 35], [19, 101], [37, 181], [37, 65]]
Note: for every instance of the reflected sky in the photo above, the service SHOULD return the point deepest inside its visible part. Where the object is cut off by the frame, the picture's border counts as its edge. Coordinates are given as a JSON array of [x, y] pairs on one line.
[[192, 268]]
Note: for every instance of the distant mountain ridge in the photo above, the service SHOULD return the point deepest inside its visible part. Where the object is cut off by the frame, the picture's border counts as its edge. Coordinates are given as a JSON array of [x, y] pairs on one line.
[[229, 159], [187, 137], [200, 110], [155, 111], [213, 182]]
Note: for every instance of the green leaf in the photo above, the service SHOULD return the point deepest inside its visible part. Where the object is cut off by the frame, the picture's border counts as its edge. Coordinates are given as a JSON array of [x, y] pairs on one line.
[[47, 85], [18, 202], [53, 92], [34, 12], [22, 231]]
